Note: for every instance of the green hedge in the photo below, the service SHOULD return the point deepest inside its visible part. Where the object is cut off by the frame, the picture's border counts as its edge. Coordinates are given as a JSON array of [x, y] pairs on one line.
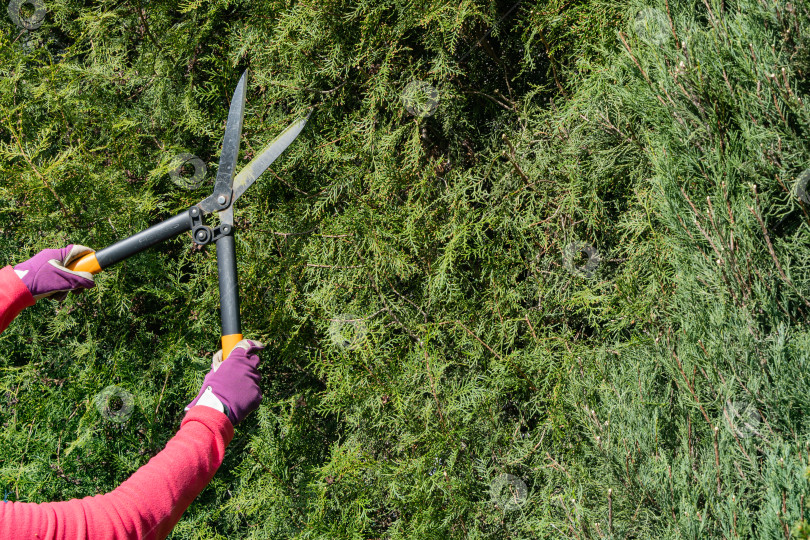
[[533, 270]]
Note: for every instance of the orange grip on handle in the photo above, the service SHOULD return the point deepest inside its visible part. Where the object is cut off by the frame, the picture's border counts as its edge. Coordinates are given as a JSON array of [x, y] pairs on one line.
[[228, 343], [86, 263]]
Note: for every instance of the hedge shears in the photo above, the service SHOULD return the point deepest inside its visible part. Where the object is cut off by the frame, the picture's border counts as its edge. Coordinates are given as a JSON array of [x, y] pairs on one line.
[[227, 189]]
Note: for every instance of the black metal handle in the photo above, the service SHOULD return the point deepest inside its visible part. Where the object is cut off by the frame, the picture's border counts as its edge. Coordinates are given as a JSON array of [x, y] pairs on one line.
[[228, 293], [143, 240]]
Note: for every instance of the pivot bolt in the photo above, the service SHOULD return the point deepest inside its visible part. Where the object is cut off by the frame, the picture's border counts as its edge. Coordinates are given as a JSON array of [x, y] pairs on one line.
[[201, 236], [222, 200]]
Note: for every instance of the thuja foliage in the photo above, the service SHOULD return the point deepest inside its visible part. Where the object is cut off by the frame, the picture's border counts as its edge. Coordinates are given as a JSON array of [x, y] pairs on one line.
[[535, 269]]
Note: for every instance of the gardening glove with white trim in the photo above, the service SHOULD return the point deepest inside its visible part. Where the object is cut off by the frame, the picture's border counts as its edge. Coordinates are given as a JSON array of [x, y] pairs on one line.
[[232, 385], [45, 274]]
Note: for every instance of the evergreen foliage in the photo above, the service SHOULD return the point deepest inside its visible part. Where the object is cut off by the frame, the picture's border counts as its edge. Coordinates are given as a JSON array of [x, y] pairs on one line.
[[534, 270]]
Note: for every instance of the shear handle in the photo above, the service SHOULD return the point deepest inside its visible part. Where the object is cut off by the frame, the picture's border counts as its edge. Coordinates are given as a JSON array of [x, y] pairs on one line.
[[96, 262], [228, 294]]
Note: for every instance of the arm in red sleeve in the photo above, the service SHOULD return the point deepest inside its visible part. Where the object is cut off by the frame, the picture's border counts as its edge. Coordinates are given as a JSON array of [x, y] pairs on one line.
[[146, 506], [14, 296]]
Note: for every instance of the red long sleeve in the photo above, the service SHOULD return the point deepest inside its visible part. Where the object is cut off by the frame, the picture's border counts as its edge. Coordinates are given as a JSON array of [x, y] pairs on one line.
[[148, 505], [14, 296]]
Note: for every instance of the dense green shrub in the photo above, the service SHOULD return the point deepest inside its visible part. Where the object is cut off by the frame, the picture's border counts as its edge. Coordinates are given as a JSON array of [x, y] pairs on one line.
[[442, 361]]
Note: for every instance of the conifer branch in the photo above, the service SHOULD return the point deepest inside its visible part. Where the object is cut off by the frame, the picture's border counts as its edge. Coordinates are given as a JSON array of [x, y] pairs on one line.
[[142, 16], [433, 389], [160, 399], [44, 180], [491, 98], [509, 361], [555, 465], [312, 90], [334, 266], [764, 229], [691, 390], [717, 456], [391, 312], [629, 50], [424, 315], [552, 62], [285, 235]]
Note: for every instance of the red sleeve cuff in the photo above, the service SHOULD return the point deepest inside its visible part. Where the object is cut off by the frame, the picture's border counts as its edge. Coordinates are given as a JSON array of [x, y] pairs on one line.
[[216, 421], [14, 296]]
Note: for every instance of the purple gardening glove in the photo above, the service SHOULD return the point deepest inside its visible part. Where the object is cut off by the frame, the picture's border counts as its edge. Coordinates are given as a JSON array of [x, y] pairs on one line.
[[233, 383], [45, 274]]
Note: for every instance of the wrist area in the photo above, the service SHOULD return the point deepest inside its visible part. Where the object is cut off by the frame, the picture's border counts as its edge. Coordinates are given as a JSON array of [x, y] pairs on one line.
[[216, 422], [17, 295], [209, 399]]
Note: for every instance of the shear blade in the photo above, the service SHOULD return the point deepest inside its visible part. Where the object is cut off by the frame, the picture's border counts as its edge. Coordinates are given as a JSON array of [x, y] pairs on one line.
[[266, 157], [233, 134], [230, 151]]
